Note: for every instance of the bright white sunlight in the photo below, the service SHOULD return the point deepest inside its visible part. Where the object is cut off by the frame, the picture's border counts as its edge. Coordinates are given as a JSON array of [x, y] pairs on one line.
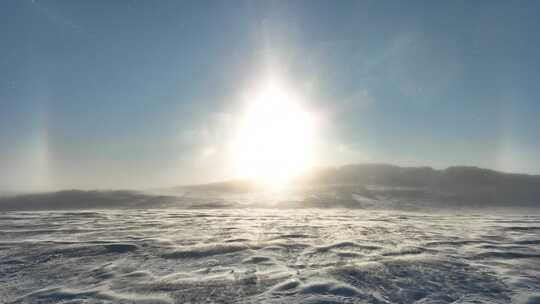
[[276, 138]]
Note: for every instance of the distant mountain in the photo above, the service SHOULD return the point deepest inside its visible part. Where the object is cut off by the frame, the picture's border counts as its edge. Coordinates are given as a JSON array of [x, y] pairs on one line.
[[468, 184], [78, 199], [465, 186], [351, 186]]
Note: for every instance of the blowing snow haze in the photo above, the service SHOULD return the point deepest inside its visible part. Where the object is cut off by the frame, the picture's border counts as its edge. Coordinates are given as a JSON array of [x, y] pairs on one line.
[[269, 152]]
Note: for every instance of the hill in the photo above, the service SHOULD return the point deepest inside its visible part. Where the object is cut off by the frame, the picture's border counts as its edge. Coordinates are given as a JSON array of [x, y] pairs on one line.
[[351, 186]]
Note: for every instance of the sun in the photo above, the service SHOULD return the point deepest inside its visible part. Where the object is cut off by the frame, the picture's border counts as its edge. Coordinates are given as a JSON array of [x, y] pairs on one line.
[[275, 141]]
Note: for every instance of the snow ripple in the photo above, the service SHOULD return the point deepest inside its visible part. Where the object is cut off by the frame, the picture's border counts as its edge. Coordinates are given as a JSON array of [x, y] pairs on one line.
[[268, 256]]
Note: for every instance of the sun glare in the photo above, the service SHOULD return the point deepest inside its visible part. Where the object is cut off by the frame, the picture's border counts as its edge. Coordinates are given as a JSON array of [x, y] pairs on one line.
[[275, 140]]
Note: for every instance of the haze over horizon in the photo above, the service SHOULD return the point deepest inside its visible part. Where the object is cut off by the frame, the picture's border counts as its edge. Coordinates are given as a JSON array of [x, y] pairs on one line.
[[127, 94]]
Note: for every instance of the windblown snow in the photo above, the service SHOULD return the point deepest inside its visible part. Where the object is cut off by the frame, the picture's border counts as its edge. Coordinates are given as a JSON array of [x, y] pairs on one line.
[[268, 256]]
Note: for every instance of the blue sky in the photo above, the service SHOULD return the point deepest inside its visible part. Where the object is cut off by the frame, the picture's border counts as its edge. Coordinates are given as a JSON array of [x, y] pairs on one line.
[[107, 94]]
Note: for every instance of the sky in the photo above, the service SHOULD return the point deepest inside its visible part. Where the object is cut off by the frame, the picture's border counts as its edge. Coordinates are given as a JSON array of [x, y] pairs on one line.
[[141, 94]]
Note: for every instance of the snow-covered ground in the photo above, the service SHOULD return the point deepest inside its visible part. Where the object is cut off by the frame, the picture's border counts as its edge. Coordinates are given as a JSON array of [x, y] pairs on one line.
[[268, 256]]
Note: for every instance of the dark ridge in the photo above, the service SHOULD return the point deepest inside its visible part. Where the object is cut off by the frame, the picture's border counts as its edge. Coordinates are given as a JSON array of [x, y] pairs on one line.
[[468, 186], [78, 199], [455, 186], [351, 186]]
